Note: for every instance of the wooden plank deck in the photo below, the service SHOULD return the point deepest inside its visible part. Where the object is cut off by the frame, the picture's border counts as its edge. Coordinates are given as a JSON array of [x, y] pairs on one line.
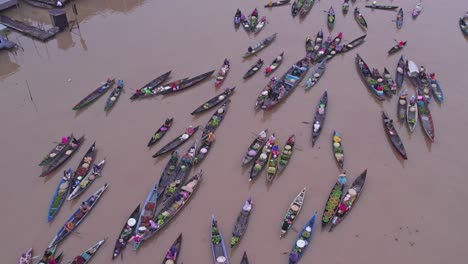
[[28, 30]]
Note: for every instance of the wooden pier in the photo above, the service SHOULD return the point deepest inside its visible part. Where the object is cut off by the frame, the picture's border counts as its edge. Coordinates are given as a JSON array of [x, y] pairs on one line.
[[28, 30]]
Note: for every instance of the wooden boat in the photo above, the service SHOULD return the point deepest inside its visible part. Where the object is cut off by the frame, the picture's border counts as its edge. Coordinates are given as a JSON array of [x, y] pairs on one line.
[[168, 212], [382, 7], [292, 213], [148, 93], [287, 83], [217, 244], [254, 69], [126, 233], [402, 105], [417, 10], [319, 117], [274, 64], [214, 101], [114, 96], [313, 48], [68, 152], [204, 148], [393, 135], [296, 6], [60, 194], [241, 223], [463, 26], [351, 45], [389, 80], [397, 47], [399, 19], [253, 19], [264, 93], [302, 241], [238, 18], [257, 144], [159, 134], [151, 85], [368, 79], [182, 171], [263, 44], [286, 154], [338, 149], [149, 208], [56, 152], [334, 199], [188, 83], [262, 158], [349, 201], [400, 72], [424, 85], [178, 141], [277, 3], [87, 180], [222, 73], [168, 173], [345, 7], [359, 18], [83, 167], [216, 119], [306, 7], [380, 82], [173, 253], [94, 95], [272, 164], [331, 18], [26, 257], [77, 217], [425, 117], [435, 88], [245, 259], [86, 256], [317, 73], [412, 113]]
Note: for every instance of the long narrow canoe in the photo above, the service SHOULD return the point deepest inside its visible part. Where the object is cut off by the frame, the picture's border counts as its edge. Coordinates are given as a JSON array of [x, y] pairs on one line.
[[397, 47], [241, 223], [368, 79], [245, 259], [261, 159], [174, 251], [159, 134], [359, 18], [337, 147], [286, 85], [26, 257], [95, 94], [331, 18], [334, 199], [436, 89], [237, 18], [302, 241], [277, 3], [417, 10], [353, 44], [168, 173], [255, 147], [87, 180], [114, 96], [286, 153], [214, 101], [69, 150], [412, 113], [400, 72], [345, 7], [168, 212], [60, 194], [188, 83], [292, 213], [149, 208], [349, 200], [317, 73], [425, 117], [389, 80], [402, 105], [204, 149], [254, 69], [393, 135], [151, 85], [319, 117], [216, 119], [272, 164], [217, 244], [56, 152], [84, 167], [222, 72], [383, 7], [182, 171], [306, 7], [86, 256], [463, 26], [78, 216], [148, 93], [263, 44], [399, 19], [178, 141], [126, 233], [274, 64]]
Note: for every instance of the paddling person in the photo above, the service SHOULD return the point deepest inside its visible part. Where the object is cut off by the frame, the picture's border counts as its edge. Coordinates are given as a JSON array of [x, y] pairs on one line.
[[250, 49]]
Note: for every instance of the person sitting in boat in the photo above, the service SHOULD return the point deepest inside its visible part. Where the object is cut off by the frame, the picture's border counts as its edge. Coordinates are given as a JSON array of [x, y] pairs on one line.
[[137, 238], [401, 44], [268, 70], [174, 86], [273, 79], [74, 142], [316, 126], [190, 130], [249, 49], [255, 13], [211, 137], [172, 253], [282, 91], [247, 206], [167, 123], [226, 62], [79, 260], [84, 208]]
